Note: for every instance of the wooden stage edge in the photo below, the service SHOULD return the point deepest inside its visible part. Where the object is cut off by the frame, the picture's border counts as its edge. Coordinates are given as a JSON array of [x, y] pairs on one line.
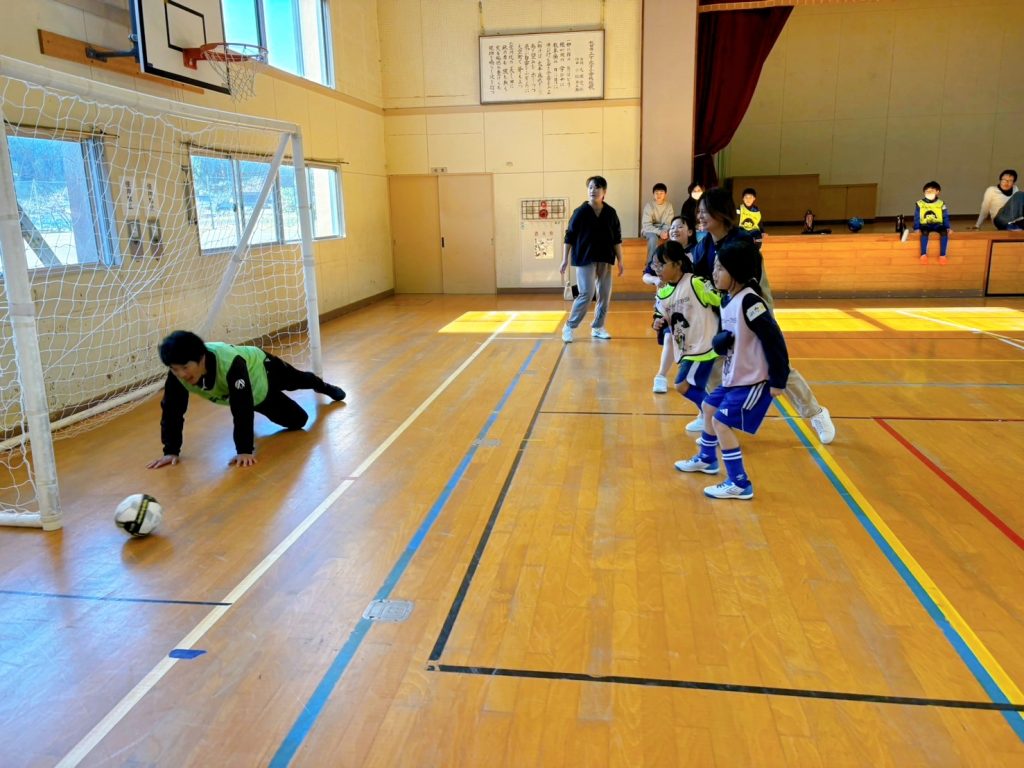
[[872, 265]]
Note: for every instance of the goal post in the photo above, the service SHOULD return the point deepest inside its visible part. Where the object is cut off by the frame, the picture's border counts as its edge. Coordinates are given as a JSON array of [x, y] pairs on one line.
[[124, 216], [22, 315]]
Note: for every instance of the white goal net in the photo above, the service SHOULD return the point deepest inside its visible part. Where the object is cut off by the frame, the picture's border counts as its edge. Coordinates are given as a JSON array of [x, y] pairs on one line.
[[122, 218]]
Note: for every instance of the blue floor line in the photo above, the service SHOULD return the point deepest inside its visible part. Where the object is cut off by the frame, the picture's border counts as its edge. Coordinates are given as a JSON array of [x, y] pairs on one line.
[[318, 700], [967, 655]]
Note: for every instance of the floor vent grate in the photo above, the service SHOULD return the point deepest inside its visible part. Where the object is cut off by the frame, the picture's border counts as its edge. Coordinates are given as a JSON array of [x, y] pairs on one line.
[[388, 610]]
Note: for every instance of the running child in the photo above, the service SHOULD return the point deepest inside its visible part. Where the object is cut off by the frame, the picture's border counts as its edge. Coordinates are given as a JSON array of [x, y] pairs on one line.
[[686, 309], [680, 231], [755, 370]]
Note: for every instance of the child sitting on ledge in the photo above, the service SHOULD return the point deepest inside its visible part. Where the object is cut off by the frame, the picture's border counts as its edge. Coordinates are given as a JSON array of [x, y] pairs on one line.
[[809, 225]]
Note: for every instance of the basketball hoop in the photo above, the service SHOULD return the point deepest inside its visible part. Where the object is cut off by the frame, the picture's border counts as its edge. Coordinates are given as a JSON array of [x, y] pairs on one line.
[[234, 63]]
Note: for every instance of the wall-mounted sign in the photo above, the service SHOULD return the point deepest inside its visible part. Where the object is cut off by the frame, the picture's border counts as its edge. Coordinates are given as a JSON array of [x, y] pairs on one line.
[[547, 66]]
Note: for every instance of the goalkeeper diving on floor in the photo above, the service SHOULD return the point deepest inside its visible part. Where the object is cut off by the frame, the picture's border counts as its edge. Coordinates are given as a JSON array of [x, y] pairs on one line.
[[247, 379]]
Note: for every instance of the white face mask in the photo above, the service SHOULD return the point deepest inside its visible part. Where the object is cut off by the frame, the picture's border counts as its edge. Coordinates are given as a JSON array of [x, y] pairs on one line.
[[930, 197], [696, 195]]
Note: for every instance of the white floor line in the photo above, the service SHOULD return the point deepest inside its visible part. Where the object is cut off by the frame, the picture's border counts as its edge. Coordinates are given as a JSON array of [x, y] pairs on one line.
[[959, 326], [81, 750]]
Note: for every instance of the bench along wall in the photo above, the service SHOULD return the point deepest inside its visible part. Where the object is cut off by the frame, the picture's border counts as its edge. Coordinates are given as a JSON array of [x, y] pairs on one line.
[[872, 265]]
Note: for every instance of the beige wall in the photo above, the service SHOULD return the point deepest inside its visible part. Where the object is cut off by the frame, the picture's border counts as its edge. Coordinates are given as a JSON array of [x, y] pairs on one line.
[[434, 119], [896, 92], [343, 125], [669, 53]]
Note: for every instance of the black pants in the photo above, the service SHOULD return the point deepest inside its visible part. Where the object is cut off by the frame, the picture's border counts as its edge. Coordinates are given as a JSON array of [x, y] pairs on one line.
[[1011, 212], [277, 406]]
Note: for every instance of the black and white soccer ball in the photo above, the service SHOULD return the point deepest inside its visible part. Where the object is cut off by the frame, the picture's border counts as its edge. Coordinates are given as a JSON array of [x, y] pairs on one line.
[[139, 514]]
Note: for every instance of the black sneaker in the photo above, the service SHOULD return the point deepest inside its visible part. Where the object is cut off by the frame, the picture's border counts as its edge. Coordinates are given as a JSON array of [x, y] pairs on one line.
[[335, 393]]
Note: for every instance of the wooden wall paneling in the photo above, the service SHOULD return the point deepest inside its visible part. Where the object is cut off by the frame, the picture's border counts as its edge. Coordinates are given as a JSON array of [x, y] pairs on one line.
[[1006, 270]]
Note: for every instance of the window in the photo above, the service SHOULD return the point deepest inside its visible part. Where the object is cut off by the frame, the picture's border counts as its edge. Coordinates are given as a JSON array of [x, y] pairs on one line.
[[216, 190], [63, 197], [252, 175], [227, 189], [325, 203], [296, 33]]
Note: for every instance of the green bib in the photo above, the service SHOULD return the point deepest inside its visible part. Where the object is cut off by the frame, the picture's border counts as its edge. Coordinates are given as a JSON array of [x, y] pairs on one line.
[[226, 353], [749, 220], [930, 213]]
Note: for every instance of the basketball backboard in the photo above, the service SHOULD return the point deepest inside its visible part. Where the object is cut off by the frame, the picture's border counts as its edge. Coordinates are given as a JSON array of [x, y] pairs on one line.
[[166, 27]]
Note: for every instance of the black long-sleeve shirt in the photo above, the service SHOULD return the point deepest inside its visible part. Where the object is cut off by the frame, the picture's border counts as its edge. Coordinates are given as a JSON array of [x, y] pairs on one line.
[[593, 236], [239, 399], [772, 341], [706, 249]]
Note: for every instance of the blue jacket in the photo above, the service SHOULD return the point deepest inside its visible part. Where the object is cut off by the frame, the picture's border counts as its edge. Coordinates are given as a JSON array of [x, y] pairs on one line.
[[704, 252]]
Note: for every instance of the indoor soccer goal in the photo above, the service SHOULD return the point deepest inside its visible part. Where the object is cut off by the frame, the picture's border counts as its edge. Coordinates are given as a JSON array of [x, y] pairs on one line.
[[123, 217]]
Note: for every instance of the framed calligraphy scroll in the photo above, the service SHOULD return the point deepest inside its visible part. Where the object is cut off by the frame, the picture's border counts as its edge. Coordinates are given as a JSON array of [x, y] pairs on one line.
[[545, 66]]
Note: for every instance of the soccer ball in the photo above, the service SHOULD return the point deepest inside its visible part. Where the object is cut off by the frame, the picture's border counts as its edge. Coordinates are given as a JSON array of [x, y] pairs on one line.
[[855, 224], [139, 514]]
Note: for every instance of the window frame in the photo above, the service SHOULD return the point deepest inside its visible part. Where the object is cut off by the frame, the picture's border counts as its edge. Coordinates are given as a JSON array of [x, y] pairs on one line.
[[242, 209], [194, 152], [282, 238], [326, 43], [99, 193], [339, 197]]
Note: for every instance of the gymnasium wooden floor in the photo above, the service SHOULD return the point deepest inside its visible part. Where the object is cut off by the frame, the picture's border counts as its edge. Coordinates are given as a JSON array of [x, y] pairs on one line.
[[575, 600]]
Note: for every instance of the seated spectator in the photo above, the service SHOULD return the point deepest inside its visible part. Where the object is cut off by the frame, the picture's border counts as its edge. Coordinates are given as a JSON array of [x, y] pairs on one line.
[[931, 215], [749, 214], [996, 197], [657, 216], [809, 228]]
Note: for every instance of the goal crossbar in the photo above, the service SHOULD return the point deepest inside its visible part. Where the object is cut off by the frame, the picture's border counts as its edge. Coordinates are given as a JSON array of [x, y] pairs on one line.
[[275, 275], [142, 102]]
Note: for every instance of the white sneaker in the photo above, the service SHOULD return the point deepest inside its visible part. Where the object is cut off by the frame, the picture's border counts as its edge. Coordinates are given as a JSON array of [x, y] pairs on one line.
[[660, 385], [697, 425], [729, 490], [823, 425], [600, 333], [696, 464], [567, 334]]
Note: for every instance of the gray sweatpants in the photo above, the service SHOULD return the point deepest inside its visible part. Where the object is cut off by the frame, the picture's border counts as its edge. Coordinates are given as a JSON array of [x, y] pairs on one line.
[[597, 276]]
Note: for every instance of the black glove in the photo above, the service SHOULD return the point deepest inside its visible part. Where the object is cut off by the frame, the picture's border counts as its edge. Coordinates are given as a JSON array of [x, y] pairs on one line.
[[722, 342]]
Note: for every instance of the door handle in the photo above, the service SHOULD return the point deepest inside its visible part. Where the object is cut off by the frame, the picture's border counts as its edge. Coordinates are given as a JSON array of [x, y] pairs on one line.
[[442, 242]]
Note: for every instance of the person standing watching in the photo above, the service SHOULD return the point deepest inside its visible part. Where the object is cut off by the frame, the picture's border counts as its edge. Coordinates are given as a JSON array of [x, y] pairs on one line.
[[694, 193], [594, 241]]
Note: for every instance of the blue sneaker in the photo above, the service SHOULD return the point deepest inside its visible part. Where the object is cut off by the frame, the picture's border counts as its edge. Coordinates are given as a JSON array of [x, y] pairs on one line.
[[697, 464], [729, 490]]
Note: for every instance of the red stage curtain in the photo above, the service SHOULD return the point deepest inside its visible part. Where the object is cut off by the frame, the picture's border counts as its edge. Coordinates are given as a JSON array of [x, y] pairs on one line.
[[731, 49]]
